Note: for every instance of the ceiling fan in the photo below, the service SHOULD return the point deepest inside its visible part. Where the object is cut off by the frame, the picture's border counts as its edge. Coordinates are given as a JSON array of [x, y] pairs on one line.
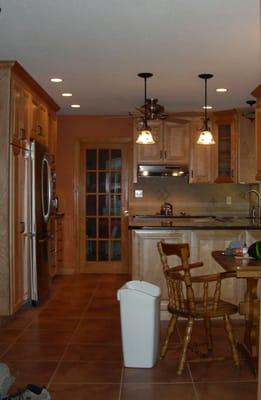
[[152, 110]]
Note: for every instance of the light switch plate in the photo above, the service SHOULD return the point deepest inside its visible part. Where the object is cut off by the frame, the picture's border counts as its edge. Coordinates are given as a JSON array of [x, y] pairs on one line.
[[138, 193]]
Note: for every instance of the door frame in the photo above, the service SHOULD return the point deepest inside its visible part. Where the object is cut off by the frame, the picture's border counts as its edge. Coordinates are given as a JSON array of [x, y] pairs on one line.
[[126, 144]]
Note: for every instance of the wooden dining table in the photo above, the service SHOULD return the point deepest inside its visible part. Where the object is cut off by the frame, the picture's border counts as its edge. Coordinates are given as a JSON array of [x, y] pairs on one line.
[[249, 269]]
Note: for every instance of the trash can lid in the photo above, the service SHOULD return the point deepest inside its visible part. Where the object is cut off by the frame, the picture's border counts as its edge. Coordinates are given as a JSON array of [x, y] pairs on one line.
[[142, 286]]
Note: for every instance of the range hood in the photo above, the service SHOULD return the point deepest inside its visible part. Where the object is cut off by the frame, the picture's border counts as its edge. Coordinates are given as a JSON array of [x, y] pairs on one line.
[[146, 171]]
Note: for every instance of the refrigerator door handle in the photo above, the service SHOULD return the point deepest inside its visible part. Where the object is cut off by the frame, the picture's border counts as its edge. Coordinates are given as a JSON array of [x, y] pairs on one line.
[[46, 189]]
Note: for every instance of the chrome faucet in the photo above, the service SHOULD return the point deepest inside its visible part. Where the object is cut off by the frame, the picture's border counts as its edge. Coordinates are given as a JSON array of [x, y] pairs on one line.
[[258, 195]]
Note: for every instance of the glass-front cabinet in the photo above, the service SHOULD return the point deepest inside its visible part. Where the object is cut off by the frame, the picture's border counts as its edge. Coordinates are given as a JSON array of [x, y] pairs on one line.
[[225, 133]]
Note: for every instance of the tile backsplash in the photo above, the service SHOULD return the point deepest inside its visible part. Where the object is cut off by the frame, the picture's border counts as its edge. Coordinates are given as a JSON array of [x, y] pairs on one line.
[[201, 199]]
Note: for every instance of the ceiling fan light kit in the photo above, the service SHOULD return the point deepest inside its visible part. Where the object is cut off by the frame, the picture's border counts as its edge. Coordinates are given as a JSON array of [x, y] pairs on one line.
[[205, 137], [145, 135]]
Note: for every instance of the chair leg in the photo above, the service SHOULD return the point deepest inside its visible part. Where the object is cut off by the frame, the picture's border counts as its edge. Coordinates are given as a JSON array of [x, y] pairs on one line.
[[207, 322], [186, 342], [231, 338], [170, 330]]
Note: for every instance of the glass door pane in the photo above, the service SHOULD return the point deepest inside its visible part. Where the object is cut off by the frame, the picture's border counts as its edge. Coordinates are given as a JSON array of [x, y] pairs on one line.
[[103, 204]]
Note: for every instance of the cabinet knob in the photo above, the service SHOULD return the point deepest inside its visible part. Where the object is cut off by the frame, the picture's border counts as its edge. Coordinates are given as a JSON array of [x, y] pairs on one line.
[[165, 153], [161, 154]]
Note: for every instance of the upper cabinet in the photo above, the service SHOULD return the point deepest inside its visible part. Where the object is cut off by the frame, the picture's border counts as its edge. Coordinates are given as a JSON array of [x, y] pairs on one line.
[[151, 153], [246, 150], [20, 122], [171, 147], [201, 157], [39, 120], [226, 138], [257, 94]]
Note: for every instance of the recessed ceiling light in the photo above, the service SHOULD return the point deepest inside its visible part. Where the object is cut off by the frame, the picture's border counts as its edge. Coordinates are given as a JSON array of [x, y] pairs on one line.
[[66, 94], [56, 80], [221, 90], [207, 107], [75, 105]]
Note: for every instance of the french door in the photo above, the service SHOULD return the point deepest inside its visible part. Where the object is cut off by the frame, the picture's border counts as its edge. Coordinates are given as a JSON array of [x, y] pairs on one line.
[[103, 209]]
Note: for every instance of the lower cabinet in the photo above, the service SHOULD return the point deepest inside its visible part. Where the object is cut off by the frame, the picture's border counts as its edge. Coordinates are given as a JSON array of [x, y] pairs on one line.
[[56, 245], [145, 258], [202, 243], [146, 263]]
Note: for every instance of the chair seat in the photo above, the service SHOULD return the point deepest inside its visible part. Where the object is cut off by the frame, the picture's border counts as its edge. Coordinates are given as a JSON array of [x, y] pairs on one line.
[[202, 311]]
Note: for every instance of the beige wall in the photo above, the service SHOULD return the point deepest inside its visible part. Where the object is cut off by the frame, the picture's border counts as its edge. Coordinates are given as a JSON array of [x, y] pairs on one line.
[[72, 130]]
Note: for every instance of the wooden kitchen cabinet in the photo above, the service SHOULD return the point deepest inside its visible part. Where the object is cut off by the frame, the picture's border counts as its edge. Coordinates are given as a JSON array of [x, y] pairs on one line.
[[59, 242], [225, 130], [39, 121], [246, 150], [151, 153], [201, 157], [146, 263], [171, 147], [56, 244], [18, 229], [24, 105], [203, 242], [21, 113], [257, 94]]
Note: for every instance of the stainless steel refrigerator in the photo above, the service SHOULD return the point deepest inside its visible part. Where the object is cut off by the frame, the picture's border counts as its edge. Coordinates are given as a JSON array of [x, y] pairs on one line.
[[40, 208]]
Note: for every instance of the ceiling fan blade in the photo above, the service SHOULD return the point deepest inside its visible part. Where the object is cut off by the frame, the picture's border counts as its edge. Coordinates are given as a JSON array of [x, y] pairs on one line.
[[177, 120]]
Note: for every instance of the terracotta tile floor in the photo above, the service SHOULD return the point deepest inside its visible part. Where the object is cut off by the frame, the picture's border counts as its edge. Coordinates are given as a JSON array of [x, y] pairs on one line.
[[72, 344]]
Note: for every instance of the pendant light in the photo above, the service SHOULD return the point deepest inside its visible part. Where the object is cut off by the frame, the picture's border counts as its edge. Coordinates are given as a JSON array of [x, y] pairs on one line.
[[205, 136], [250, 114], [145, 135]]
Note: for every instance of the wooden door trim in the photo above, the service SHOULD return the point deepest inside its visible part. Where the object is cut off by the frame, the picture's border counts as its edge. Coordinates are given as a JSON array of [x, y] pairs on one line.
[[78, 186]]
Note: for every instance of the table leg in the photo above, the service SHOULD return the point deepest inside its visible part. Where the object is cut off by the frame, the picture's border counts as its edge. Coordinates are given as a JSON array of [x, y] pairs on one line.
[[250, 309]]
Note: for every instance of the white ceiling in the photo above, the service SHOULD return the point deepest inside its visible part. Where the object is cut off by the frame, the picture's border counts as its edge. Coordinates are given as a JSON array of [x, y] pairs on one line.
[[99, 46]]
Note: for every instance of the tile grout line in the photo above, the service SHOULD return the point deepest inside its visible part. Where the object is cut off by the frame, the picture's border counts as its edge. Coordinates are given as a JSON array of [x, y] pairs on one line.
[[189, 369], [121, 382], [69, 341]]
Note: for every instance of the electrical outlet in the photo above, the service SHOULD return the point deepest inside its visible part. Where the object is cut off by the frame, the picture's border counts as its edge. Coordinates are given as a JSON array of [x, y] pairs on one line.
[[138, 194], [228, 200]]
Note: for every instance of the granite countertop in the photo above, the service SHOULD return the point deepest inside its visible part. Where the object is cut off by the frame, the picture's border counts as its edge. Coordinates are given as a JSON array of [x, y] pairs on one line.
[[192, 222]]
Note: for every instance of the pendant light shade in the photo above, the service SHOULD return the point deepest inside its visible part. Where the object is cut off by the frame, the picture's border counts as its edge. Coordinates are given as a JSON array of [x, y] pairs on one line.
[[145, 135], [205, 136]]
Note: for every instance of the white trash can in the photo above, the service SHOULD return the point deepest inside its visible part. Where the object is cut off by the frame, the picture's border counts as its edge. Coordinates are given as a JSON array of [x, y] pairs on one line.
[[140, 323]]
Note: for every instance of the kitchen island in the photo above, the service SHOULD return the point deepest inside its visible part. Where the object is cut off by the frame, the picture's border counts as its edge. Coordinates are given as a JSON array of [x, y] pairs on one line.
[[204, 235]]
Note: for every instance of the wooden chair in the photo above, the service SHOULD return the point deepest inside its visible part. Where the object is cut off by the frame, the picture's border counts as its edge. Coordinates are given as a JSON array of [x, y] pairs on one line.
[[182, 302]]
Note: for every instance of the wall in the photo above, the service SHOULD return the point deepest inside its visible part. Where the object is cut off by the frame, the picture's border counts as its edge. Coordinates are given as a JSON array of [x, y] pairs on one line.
[[72, 130], [203, 199]]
